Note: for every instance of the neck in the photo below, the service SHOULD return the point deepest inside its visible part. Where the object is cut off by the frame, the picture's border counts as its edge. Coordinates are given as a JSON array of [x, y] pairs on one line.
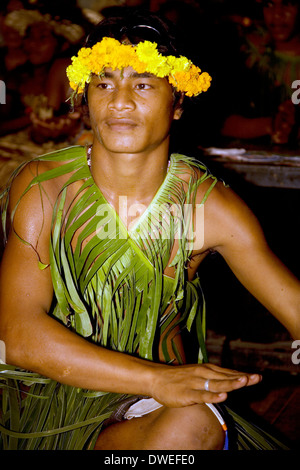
[[291, 47], [137, 176]]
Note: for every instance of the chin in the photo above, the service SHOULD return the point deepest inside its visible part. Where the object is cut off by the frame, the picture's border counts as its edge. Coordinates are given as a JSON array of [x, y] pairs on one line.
[[124, 150], [122, 145], [281, 36]]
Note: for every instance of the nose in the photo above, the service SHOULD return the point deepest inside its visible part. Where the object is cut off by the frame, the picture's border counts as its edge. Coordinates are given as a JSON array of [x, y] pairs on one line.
[[278, 11], [122, 98]]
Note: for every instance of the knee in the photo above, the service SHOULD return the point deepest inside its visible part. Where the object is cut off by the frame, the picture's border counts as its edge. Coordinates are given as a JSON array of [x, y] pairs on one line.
[[197, 428], [209, 433]]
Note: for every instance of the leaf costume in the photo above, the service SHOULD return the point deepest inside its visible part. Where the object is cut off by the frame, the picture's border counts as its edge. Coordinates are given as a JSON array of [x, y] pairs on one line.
[[109, 287]]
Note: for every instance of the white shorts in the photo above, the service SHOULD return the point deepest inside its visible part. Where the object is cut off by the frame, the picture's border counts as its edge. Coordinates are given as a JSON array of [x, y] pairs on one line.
[[147, 405]]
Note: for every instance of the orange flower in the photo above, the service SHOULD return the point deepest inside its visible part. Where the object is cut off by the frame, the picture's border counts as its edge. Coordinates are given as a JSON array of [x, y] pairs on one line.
[[144, 57]]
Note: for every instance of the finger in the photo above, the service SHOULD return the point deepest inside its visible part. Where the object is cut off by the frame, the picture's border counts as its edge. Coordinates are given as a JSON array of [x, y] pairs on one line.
[[206, 397], [218, 386], [212, 371], [223, 369]]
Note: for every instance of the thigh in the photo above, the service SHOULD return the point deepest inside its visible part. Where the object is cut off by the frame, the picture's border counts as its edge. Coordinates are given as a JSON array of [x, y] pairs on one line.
[[192, 427]]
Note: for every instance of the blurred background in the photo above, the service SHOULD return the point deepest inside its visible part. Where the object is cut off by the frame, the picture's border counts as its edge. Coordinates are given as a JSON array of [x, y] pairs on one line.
[[245, 129]]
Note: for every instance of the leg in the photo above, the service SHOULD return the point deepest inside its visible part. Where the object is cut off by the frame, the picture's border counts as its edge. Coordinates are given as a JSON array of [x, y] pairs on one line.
[[190, 428]]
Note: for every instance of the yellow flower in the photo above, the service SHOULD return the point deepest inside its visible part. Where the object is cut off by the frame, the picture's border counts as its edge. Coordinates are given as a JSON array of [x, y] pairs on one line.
[[78, 73], [144, 57], [147, 50], [155, 62], [179, 63]]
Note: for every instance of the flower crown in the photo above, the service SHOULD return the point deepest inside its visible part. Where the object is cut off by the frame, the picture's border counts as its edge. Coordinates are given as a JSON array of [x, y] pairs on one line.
[[180, 71]]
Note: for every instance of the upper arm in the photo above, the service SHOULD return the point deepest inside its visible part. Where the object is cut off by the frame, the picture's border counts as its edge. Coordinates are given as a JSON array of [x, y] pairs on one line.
[[25, 289], [232, 230]]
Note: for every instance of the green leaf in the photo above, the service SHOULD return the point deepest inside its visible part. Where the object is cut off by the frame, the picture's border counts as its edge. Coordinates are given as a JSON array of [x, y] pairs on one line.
[[110, 287]]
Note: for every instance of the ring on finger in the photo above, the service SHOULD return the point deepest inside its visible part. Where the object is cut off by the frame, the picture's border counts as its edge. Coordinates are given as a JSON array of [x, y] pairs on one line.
[[206, 385]]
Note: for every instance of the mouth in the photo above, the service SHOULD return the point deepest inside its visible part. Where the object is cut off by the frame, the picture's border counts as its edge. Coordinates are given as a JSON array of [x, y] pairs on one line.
[[121, 124], [279, 27]]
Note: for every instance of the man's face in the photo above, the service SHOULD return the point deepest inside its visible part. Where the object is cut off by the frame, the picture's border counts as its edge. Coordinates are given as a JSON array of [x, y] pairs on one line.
[[131, 112], [280, 17], [40, 44]]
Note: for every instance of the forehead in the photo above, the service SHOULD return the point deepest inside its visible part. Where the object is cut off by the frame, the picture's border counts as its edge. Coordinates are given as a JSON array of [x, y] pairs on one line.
[[126, 72], [161, 88]]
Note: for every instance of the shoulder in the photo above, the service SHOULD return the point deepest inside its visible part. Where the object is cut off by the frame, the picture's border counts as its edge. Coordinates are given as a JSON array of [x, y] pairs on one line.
[[30, 205], [32, 177], [53, 168], [191, 170], [229, 224], [37, 186]]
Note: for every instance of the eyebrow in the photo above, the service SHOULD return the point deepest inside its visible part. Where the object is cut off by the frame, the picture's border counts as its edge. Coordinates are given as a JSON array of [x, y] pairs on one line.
[[131, 75]]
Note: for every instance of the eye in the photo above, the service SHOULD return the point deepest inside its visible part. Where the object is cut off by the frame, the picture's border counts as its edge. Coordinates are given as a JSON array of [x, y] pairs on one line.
[[105, 86], [143, 86]]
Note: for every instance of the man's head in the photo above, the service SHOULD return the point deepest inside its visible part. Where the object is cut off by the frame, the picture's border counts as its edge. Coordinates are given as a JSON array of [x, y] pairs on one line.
[[133, 79], [281, 18], [142, 41]]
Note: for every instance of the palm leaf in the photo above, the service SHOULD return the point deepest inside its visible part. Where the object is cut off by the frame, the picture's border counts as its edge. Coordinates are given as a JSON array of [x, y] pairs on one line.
[[110, 287], [249, 436]]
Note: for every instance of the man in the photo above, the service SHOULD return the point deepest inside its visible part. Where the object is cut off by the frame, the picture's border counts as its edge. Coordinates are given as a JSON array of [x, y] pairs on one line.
[[120, 271], [271, 56]]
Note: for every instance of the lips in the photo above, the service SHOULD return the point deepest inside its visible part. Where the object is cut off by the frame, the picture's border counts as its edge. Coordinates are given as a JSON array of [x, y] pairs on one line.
[[279, 27], [121, 123]]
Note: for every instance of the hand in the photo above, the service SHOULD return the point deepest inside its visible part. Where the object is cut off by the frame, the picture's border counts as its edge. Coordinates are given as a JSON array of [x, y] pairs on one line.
[[283, 123], [177, 386]]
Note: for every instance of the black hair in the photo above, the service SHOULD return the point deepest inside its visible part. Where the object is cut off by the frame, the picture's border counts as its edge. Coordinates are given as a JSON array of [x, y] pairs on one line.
[[137, 26], [286, 2]]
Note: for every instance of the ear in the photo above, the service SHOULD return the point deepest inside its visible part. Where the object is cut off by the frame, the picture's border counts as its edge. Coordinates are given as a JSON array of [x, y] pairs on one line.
[[177, 113], [178, 110]]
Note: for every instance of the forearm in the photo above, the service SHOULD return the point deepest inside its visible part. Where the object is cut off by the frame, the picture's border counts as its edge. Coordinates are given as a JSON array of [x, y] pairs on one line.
[[245, 128], [57, 353], [52, 350]]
